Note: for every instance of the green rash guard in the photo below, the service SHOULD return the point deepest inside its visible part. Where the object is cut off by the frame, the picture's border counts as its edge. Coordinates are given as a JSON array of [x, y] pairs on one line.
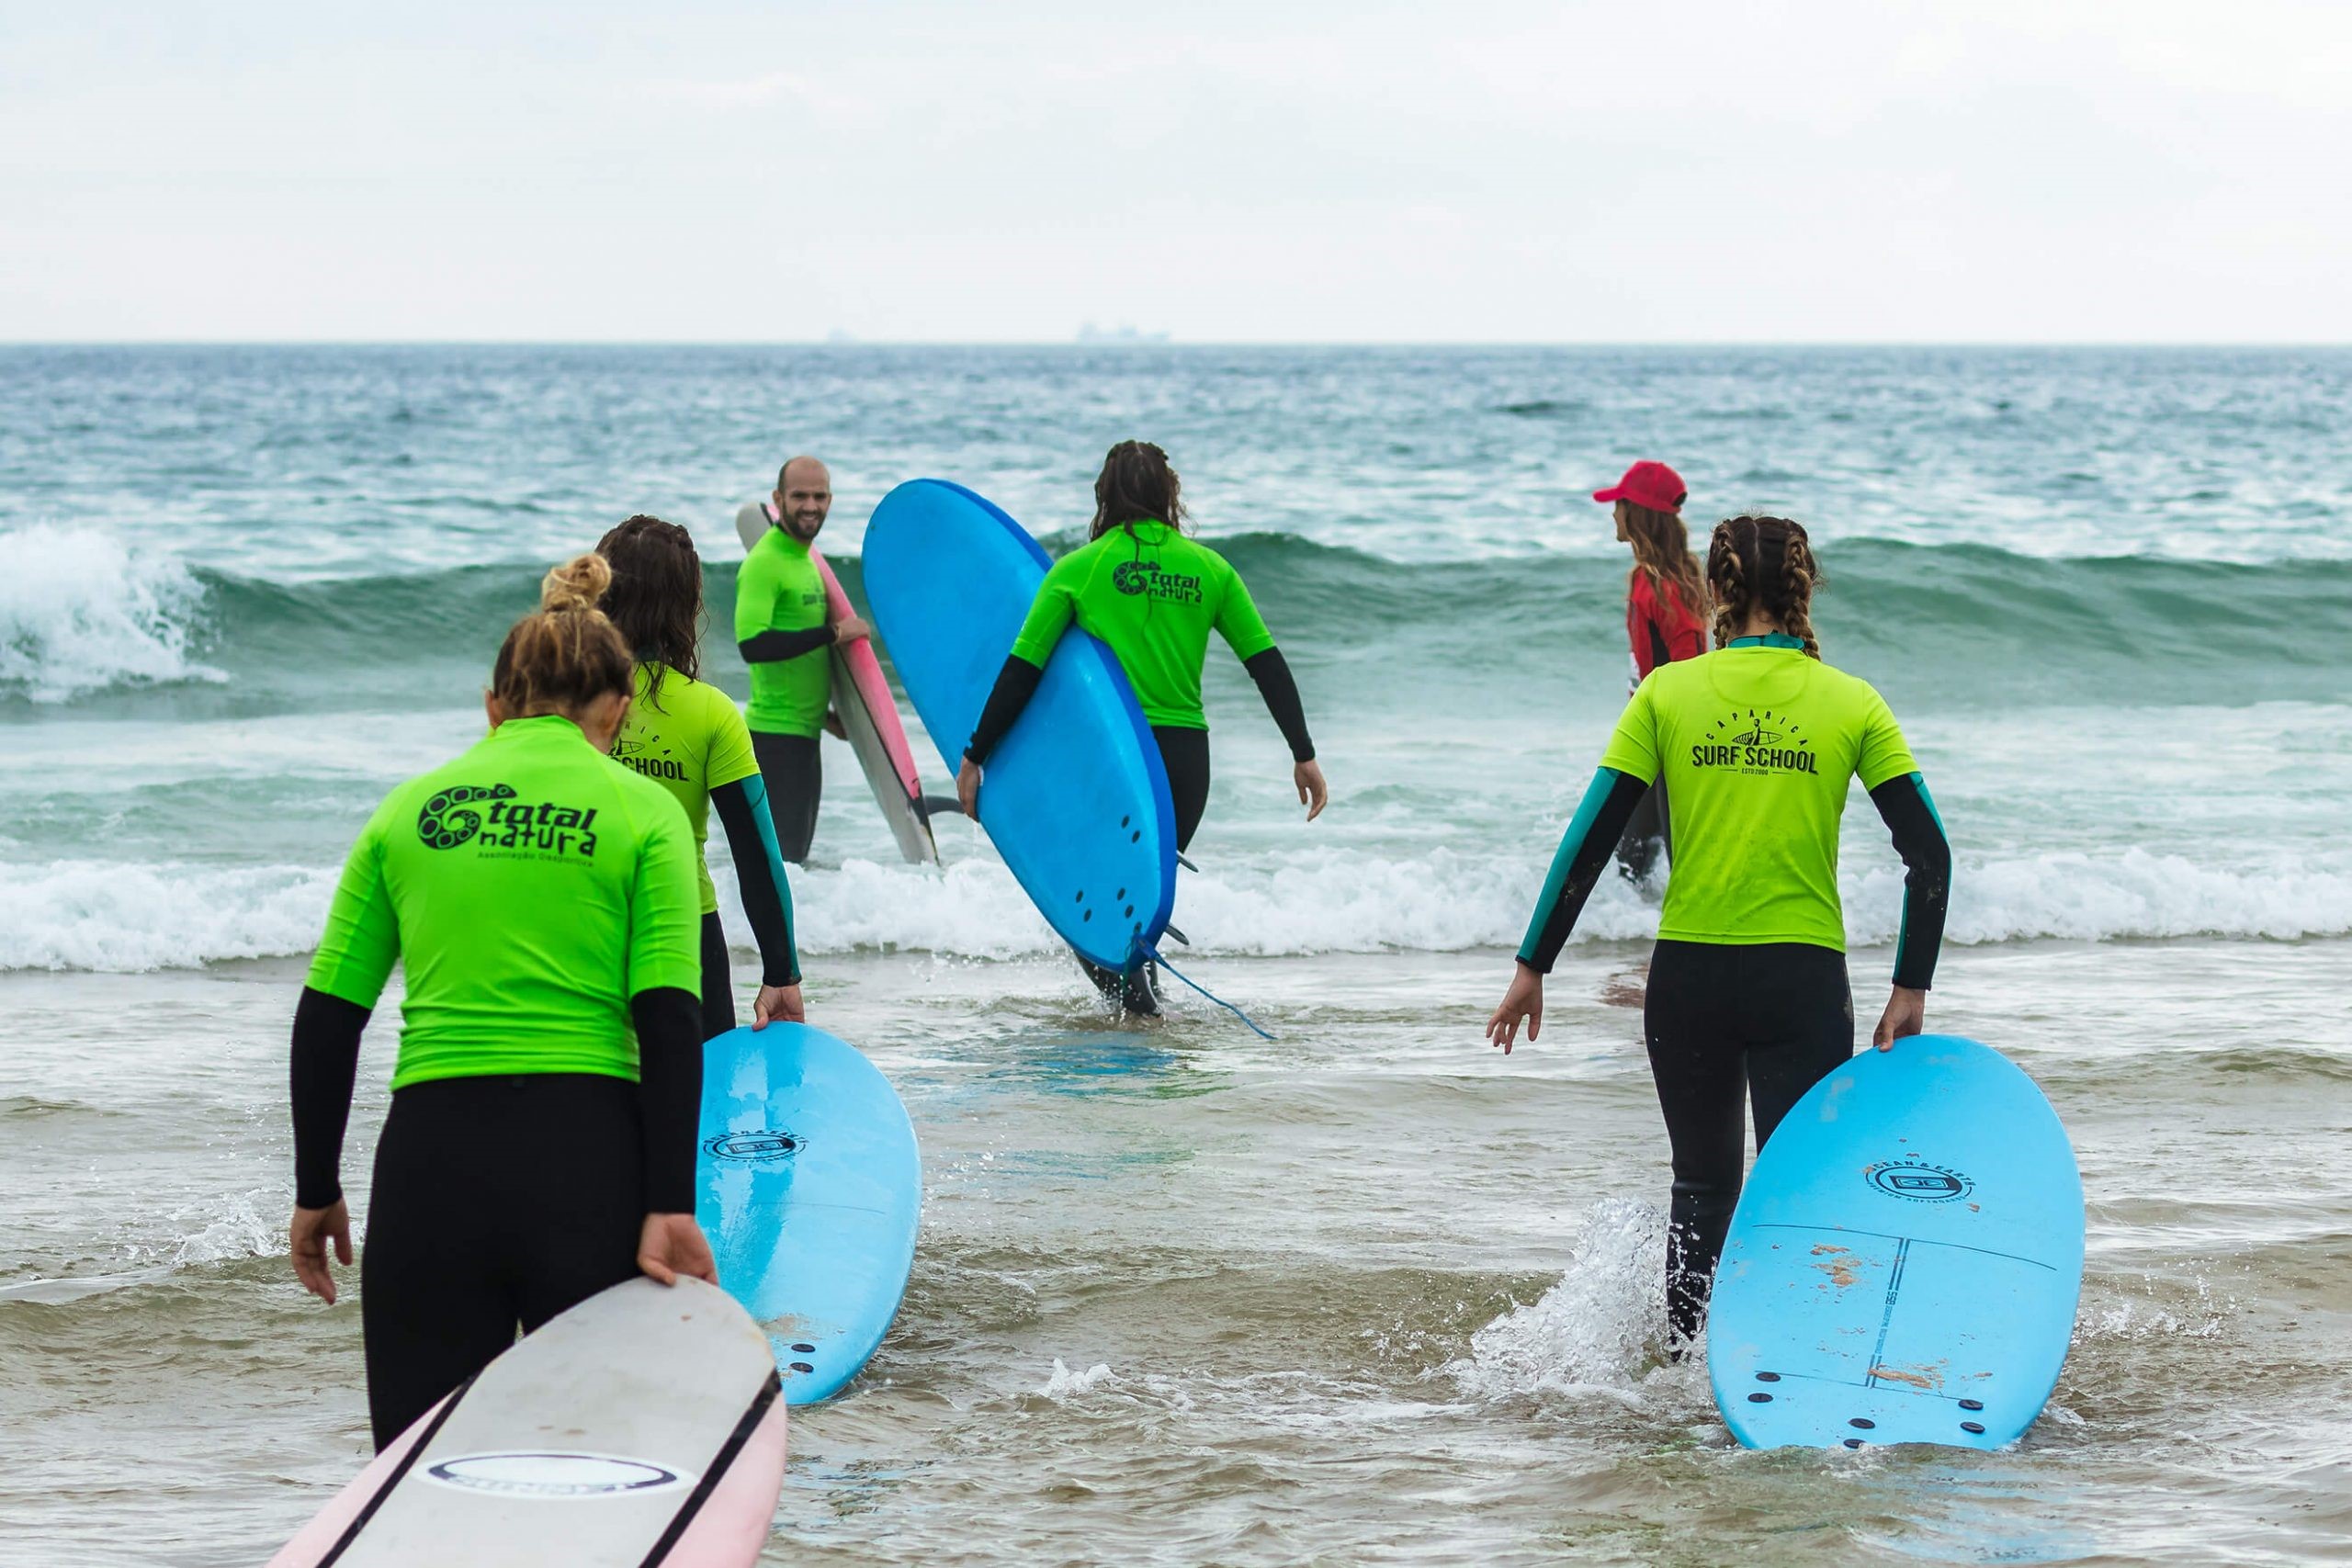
[[1756, 744], [532, 888], [1154, 595], [778, 589], [690, 739]]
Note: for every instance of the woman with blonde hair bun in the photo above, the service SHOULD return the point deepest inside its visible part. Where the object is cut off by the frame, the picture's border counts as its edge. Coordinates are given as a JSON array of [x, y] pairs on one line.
[[540, 1145], [1747, 997]]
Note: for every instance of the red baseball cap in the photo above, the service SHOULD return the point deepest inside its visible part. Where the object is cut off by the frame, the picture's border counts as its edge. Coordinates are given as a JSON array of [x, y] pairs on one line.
[[1653, 485]]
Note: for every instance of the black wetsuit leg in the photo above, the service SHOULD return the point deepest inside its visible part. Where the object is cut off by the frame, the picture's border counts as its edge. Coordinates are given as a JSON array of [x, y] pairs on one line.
[[790, 768], [1726, 1024], [1186, 754], [498, 1202], [717, 989], [1648, 838]]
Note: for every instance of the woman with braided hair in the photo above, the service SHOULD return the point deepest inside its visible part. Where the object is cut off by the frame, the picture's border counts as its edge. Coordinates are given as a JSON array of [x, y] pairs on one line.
[[1748, 996], [540, 1145]]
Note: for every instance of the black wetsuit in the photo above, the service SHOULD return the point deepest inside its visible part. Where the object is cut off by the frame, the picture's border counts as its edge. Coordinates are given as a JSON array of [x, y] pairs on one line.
[[496, 1201]]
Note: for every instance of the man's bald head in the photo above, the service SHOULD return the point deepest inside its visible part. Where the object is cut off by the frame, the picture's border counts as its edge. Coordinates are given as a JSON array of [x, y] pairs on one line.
[[804, 494]]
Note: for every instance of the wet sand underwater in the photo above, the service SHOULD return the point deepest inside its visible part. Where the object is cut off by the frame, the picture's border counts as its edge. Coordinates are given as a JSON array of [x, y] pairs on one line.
[[1369, 1293]]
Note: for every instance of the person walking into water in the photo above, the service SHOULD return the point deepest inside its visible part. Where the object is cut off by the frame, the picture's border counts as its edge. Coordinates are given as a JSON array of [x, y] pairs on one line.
[[689, 738], [1154, 594], [1747, 997], [1666, 605], [540, 1145], [783, 634]]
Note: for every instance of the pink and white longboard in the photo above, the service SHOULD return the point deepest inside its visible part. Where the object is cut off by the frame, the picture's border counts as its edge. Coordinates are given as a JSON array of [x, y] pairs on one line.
[[644, 1425], [869, 714]]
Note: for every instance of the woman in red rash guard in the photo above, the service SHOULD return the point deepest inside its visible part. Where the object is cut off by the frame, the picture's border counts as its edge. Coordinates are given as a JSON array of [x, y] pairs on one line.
[[1666, 610]]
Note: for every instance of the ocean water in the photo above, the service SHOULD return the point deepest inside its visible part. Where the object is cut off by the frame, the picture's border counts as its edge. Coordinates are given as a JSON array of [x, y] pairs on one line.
[[243, 591]]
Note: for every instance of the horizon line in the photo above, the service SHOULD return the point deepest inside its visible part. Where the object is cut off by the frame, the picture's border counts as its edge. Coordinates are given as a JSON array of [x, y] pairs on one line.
[[848, 341]]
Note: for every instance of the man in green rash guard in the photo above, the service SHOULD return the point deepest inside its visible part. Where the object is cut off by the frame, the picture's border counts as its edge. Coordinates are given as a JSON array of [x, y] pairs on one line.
[[784, 635], [1154, 595]]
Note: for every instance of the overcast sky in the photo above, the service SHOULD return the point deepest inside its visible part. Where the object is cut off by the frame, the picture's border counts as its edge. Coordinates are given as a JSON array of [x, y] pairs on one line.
[[1480, 170]]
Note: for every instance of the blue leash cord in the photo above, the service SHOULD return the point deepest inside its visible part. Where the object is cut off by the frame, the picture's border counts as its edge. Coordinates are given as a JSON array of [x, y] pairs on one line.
[[1153, 954]]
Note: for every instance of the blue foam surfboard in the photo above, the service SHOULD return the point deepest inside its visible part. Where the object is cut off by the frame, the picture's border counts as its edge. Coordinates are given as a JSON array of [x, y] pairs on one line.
[[1904, 1264], [810, 1189], [1075, 796]]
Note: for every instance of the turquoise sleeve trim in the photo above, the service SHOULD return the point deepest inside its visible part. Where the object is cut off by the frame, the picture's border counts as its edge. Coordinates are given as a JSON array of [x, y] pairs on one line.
[[1596, 795], [756, 790], [1921, 780]]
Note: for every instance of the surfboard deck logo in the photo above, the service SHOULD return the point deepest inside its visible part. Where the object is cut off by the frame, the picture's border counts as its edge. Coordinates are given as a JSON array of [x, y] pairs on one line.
[[762, 1148], [554, 1475], [1919, 1182]]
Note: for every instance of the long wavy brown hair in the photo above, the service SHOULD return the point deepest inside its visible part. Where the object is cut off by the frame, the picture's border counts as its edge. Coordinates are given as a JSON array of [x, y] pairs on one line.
[[656, 595], [1763, 563], [1138, 484], [1662, 553]]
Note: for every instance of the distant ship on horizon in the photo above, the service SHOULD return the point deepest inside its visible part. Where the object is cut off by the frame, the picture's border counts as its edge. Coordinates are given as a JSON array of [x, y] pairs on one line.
[[1090, 333]]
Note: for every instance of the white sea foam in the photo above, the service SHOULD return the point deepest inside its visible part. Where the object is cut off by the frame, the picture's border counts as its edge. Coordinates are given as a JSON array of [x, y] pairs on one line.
[[86, 914], [1596, 1332], [104, 916], [1066, 1382], [81, 611]]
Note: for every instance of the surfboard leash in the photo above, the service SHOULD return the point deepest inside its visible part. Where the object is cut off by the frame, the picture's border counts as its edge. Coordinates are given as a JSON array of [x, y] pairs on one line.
[[1153, 954]]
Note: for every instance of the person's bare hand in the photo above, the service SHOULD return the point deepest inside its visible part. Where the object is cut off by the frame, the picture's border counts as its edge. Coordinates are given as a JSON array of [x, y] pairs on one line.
[[778, 1003], [1523, 1001], [967, 789], [1905, 1015], [850, 628], [309, 1235], [671, 1244], [1313, 793]]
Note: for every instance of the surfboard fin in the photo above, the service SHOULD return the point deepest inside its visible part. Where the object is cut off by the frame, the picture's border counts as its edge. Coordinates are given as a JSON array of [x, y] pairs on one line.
[[1187, 865], [1179, 936], [939, 806]]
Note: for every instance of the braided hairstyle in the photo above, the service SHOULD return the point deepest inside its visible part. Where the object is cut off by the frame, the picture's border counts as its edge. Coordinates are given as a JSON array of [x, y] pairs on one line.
[[1763, 563], [655, 597], [565, 654], [1136, 485]]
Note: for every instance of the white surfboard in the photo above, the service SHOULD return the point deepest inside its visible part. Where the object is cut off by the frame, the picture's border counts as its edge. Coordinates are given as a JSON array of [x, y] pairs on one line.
[[644, 1425]]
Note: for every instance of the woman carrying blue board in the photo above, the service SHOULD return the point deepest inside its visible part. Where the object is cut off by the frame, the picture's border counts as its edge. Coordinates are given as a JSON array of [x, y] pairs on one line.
[[1153, 596], [690, 738], [1747, 997], [540, 1145]]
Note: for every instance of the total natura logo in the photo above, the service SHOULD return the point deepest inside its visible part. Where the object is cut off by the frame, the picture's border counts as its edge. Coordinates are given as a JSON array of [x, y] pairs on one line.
[[1919, 1182], [1752, 743], [764, 1146], [449, 818], [1133, 577], [445, 823], [553, 1474]]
